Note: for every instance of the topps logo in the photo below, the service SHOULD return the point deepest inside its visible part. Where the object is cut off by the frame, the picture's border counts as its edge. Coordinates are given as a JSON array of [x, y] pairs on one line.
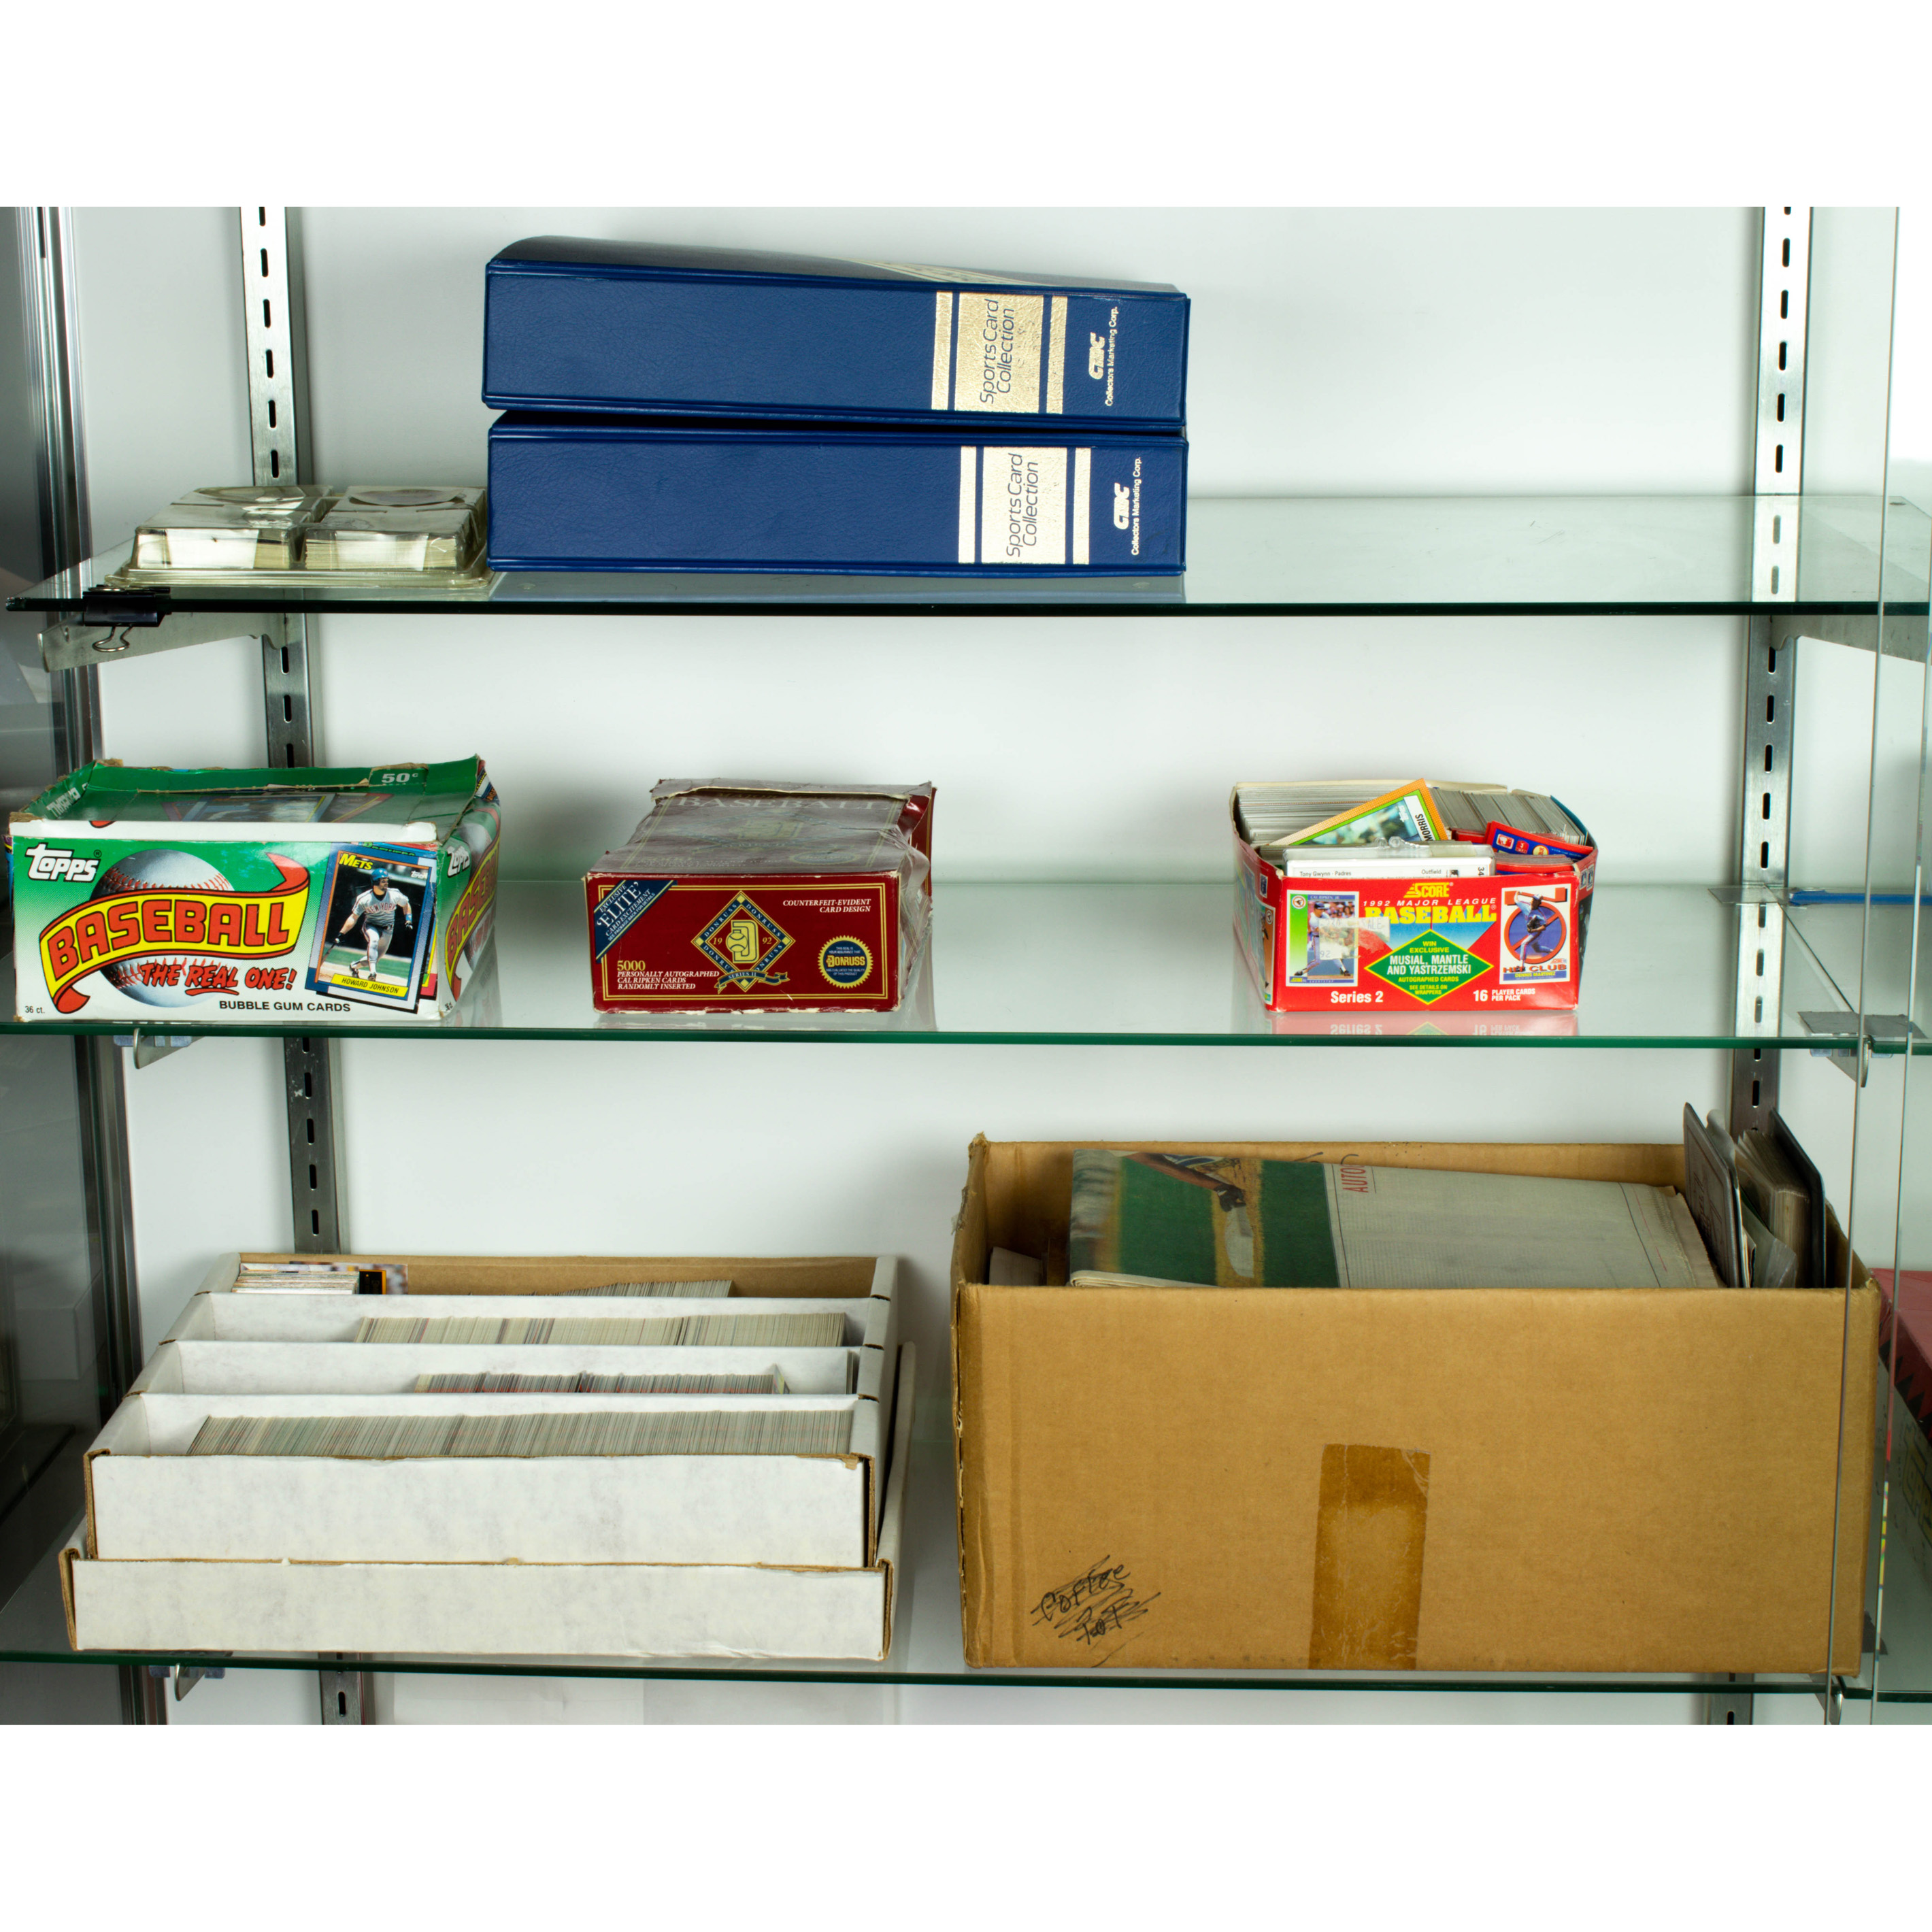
[[55, 862], [1122, 499]]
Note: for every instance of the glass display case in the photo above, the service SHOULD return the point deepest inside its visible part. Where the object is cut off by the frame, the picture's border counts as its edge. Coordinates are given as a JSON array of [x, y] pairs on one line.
[[68, 1343], [1770, 966]]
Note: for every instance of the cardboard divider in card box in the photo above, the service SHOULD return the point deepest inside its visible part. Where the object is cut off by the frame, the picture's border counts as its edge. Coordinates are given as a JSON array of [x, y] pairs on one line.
[[866, 1287], [292, 1315], [165, 1423], [391, 1368], [171, 1421], [192, 1366], [833, 1277], [1463, 1479], [523, 1609]]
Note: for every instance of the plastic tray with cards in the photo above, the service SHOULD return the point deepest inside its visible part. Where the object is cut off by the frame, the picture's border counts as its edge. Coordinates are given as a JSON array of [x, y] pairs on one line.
[[220, 529], [376, 528]]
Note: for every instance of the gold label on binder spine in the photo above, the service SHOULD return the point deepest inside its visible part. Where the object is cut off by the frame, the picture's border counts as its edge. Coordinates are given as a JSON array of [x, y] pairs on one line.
[[942, 345], [1023, 506], [997, 368], [1056, 358], [969, 490]]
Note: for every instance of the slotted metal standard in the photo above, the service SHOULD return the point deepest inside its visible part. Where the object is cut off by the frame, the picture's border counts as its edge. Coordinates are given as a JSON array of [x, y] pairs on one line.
[[1770, 659], [348, 1696], [1764, 865], [1784, 289], [275, 337], [1770, 707]]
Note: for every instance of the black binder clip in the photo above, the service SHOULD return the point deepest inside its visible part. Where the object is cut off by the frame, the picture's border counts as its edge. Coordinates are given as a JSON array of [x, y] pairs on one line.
[[122, 609]]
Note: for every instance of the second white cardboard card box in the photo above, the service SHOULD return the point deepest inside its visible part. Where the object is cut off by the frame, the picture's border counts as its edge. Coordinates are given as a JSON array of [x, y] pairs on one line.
[[498, 1610]]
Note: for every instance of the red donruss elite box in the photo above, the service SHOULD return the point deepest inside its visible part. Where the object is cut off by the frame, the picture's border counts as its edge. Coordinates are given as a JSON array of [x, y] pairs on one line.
[[741, 895], [1453, 922]]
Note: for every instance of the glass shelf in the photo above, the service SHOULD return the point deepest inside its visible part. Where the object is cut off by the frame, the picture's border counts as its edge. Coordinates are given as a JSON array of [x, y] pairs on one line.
[[1153, 965], [1261, 556], [927, 1644]]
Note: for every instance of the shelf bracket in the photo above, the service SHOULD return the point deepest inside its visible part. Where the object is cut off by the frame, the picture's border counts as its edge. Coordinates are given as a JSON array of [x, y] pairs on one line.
[[185, 1676], [74, 642], [149, 1047], [1904, 631], [1852, 1040]]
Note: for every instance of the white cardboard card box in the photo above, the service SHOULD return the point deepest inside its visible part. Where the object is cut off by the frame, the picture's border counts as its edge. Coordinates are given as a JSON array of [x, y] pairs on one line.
[[502, 1610], [147, 1498]]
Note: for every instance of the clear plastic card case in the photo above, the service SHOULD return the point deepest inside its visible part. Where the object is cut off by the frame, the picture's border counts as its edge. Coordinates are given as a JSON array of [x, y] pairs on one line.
[[367, 536], [221, 529], [371, 527]]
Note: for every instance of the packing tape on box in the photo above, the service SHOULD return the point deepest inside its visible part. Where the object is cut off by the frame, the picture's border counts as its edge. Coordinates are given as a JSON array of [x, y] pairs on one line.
[[1369, 1526]]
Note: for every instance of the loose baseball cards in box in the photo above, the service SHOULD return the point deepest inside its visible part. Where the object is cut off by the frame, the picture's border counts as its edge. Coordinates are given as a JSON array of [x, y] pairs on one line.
[[754, 897], [1392, 925], [233, 895]]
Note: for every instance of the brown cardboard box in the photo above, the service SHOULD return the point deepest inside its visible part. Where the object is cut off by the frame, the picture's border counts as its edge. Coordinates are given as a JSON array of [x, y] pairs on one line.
[[1640, 1480]]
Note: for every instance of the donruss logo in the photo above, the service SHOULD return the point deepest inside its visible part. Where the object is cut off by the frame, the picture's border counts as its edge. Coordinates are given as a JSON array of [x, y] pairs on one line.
[[138, 914], [744, 942], [56, 862], [845, 962]]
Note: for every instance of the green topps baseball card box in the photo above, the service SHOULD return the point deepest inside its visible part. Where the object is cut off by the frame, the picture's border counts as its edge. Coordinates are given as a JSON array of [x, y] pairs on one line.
[[253, 895]]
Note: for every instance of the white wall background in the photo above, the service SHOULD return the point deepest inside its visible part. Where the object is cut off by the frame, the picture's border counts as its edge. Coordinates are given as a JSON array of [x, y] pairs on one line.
[[1362, 352]]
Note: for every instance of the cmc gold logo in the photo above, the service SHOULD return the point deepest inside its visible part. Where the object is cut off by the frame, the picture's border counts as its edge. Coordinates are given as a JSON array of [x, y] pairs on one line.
[[145, 908]]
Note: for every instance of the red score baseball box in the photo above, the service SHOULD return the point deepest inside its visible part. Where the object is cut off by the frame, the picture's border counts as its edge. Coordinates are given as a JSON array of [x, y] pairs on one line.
[[1350, 937], [749, 896]]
